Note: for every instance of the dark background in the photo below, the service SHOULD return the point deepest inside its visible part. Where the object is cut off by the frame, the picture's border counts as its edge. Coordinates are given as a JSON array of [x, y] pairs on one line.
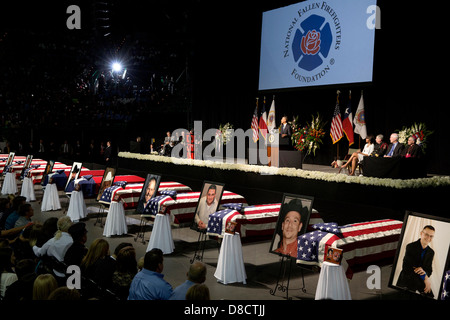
[[211, 49]]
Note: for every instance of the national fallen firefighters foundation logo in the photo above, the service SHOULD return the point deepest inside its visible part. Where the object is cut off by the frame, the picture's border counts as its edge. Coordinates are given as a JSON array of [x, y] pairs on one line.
[[312, 42]]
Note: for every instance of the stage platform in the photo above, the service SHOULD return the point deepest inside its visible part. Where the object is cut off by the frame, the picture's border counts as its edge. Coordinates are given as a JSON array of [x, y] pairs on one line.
[[338, 197]]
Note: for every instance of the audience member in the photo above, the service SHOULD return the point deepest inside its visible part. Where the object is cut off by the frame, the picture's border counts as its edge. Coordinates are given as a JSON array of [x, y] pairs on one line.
[[57, 246], [77, 250], [149, 284], [25, 212], [7, 274], [65, 294], [43, 286], [198, 291], [14, 215], [108, 266], [196, 274], [48, 230], [21, 245], [126, 269], [98, 251], [22, 289]]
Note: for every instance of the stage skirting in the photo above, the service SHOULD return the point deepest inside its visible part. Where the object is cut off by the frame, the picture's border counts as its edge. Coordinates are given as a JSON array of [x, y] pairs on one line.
[[425, 195]]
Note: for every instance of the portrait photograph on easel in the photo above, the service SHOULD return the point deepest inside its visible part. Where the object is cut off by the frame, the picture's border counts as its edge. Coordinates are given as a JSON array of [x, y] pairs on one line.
[[149, 191], [73, 175], [107, 181], [293, 220], [420, 263], [207, 204]]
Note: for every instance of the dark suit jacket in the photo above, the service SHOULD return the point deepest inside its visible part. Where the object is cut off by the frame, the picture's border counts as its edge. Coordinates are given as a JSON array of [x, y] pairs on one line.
[[397, 151], [415, 151], [408, 279]]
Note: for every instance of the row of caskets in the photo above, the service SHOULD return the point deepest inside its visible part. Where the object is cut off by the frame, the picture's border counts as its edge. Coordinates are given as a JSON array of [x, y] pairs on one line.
[[251, 220]]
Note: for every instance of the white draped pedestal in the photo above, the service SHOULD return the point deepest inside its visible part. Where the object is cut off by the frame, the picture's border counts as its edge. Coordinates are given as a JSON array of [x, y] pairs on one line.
[[27, 190], [50, 200], [9, 184], [161, 236], [116, 223], [332, 284], [230, 266], [77, 208]]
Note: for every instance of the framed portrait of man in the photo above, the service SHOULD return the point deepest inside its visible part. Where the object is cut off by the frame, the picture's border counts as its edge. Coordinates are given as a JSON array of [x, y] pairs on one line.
[[208, 203], [26, 165], [421, 259], [48, 169], [107, 181], [9, 161], [73, 175], [293, 220], [149, 191]]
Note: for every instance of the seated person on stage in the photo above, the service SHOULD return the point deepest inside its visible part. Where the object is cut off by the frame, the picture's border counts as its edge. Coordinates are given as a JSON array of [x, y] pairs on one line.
[[380, 147], [412, 150], [168, 144], [357, 157], [395, 149]]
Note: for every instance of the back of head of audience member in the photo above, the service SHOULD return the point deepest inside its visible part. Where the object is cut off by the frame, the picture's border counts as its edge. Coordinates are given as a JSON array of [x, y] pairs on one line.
[[198, 291], [64, 293], [197, 272], [43, 286], [153, 260]]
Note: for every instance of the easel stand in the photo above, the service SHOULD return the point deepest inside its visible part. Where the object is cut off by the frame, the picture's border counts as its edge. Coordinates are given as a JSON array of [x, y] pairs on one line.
[[100, 213], [283, 273], [200, 249]]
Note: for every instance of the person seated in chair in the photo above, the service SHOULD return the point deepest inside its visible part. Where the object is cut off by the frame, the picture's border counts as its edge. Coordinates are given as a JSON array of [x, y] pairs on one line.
[[412, 150], [357, 157], [380, 147], [395, 149]]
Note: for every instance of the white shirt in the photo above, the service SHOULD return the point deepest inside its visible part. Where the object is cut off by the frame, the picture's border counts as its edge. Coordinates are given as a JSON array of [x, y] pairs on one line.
[[55, 248], [204, 210]]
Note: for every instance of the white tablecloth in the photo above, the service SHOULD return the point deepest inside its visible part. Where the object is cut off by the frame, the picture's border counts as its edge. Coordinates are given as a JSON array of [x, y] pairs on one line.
[[332, 284], [77, 208], [27, 190], [116, 223], [50, 200], [230, 266], [161, 236], [9, 184]]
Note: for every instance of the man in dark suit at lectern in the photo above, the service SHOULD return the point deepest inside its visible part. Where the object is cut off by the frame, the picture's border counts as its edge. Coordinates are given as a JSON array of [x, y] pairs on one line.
[[285, 132], [395, 149]]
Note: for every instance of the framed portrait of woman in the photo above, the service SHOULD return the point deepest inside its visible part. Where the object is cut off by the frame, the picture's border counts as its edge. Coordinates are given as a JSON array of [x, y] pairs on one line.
[[293, 220], [421, 260]]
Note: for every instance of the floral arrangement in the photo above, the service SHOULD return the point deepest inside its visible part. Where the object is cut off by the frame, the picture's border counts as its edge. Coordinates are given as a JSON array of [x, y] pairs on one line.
[[309, 137], [225, 133], [435, 181], [419, 131]]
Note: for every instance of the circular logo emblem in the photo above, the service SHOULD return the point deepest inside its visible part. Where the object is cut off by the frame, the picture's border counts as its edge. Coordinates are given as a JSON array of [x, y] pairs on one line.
[[313, 44]]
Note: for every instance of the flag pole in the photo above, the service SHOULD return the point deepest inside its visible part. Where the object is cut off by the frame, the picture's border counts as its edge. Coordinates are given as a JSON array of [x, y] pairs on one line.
[[337, 144]]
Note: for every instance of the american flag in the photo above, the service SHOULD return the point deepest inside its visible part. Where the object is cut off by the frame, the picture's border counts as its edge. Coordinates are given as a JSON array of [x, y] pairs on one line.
[[216, 221], [154, 205], [362, 243], [255, 124], [336, 131]]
